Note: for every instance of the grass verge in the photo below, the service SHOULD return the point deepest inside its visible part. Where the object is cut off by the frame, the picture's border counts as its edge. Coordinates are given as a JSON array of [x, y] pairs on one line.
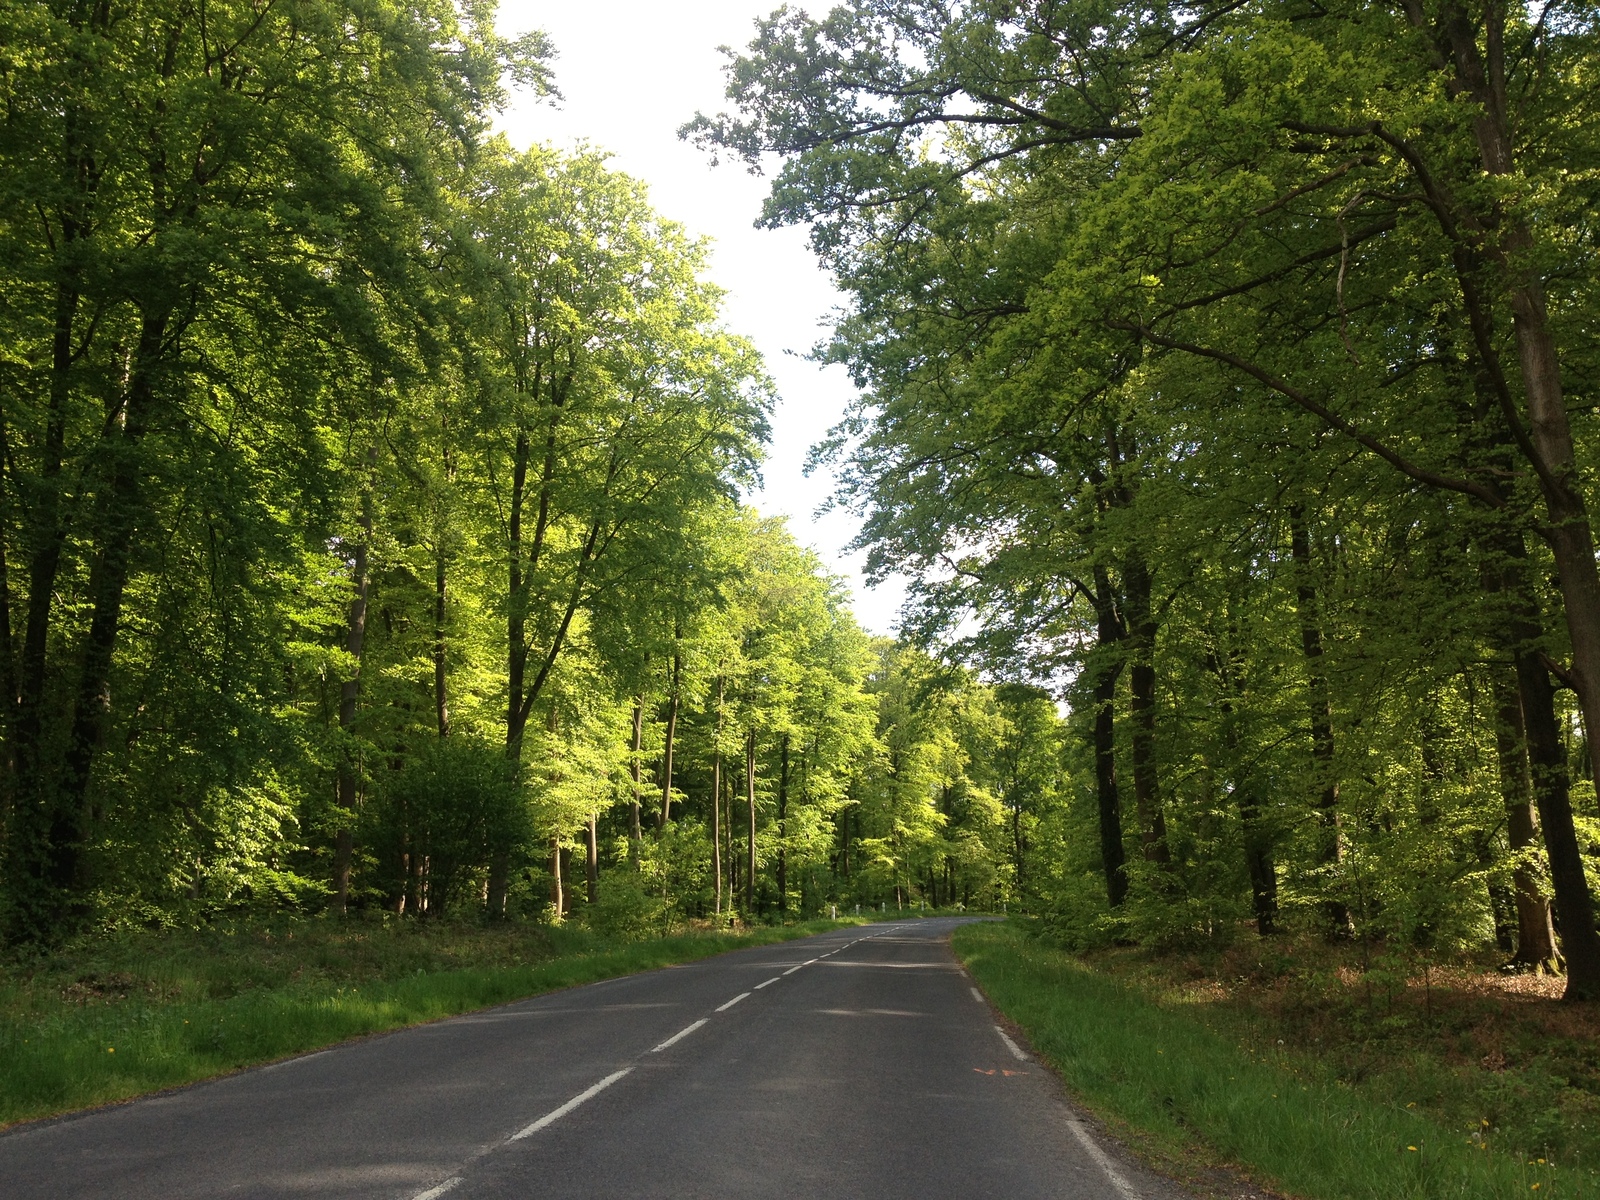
[[1189, 1087], [120, 1017]]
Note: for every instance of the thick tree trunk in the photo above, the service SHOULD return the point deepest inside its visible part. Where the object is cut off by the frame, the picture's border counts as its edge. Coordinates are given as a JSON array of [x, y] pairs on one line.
[[1106, 670], [355, 636], [1142, 708], [1522, 629], [1579, 942], [46, 537], [1549, 448], [1535, 934], [1319, 702], [1257, 838], [35, 853], [119, 513]]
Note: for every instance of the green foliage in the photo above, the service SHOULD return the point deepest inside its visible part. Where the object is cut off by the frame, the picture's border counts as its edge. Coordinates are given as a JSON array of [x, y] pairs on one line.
[[456, 803], [1184, 340], [629, 908]]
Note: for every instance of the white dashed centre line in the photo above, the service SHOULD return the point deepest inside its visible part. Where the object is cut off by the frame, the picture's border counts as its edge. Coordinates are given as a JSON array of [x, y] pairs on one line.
[[434, 1192], [793, 969], [685, 1032], [774, 979], [550, 1118], [1016, 1050], [729, 1004]]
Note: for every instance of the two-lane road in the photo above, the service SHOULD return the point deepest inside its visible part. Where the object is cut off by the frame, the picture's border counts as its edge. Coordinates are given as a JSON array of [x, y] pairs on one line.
[[855, 1063]]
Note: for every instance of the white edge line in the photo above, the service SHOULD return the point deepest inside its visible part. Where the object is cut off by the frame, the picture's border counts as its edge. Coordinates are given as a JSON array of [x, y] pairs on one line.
[[433, 1192], [976, 995], [551, 1118], [682, 1033], [774, 979], [1015, 1049], [730, 1003], [1101, 1160]]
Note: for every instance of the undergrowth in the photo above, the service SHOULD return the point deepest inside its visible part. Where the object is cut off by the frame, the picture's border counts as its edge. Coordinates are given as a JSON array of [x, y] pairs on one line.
[[1234, 1067]]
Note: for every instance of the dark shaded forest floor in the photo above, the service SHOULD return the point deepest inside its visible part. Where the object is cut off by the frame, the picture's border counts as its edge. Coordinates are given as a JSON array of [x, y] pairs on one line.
[[1497, 1057], [116, 1016]]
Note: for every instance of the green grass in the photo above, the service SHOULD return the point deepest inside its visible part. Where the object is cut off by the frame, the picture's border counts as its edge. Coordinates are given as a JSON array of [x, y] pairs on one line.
[[114, 1018], [1183, 1086]]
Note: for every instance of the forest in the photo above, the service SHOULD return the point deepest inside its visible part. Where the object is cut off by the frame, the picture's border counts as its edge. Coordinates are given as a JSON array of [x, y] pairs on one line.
[[389, 628], [372, 532], [1227, 370], [374, 535]]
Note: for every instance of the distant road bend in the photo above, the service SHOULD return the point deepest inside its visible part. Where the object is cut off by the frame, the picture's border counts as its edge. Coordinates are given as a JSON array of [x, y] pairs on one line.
[[855, 1063]]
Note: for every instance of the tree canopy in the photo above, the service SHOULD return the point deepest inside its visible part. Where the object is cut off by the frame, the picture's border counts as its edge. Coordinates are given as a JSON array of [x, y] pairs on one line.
[[1224, 369], [371, 520]]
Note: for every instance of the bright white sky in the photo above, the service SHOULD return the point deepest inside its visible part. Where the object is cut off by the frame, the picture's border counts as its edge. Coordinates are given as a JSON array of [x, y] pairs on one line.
[[631, 72]]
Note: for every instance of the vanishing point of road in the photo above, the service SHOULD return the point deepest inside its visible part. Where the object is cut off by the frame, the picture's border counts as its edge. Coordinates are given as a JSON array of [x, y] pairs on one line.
[[856, 1063]]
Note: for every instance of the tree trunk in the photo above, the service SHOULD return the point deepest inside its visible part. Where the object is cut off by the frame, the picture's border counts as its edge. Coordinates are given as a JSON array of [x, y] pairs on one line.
[[783, 828], [1106, 668], [750, 799], [1257, 839], [1535, 934], [557, 899], [716, 805], [716, 831], [1142, 705], [592, 858], [666, 756], [1336, 915], [1549, 448], [1016, 847], [441, 705], [1547, 763], [516, 604], [635, 834], [349, 694]]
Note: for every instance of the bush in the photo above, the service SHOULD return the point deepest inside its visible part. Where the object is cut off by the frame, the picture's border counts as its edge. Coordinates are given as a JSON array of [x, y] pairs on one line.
[[625, 909]]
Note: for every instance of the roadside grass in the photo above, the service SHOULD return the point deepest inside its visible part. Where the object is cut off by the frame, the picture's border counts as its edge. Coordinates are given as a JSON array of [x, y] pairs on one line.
[[120, 1016], [1279, 1115]]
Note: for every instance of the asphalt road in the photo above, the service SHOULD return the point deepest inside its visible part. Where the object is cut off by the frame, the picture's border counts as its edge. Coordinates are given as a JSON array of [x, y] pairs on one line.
[[855, 1063]]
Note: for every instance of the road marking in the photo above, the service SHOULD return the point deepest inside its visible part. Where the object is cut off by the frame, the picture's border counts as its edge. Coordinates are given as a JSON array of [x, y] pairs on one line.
[[433, 1192], [683, 1033], [774, 979], [723, 1007], [1102, 1160], [1016, 1050], [793, 969], [550, 1118], [976, 995]]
